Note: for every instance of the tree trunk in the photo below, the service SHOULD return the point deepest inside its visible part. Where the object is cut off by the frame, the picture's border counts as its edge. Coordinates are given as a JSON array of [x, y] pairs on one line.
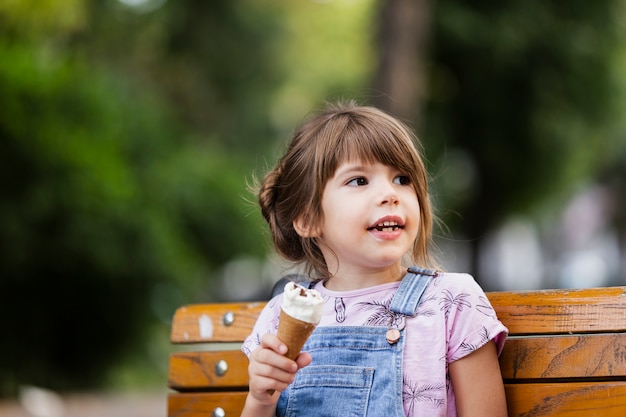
[[402, 44]]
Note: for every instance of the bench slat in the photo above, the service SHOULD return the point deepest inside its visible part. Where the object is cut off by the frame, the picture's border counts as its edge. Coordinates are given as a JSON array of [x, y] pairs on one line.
[[197, 370], [561, 357], [536, 359], [524, 312], [201, 323], [581, 399], [565, 357], [561, 311], [204, 404]]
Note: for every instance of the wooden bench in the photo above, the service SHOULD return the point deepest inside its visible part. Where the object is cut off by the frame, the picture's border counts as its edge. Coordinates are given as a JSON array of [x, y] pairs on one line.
[[565, 356]]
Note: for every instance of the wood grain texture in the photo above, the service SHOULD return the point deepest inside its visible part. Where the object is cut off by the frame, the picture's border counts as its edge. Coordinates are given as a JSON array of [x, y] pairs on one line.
[[539, 359], [581, 399], [565, 356], [204, 404], [594, 399], [561, 311], [523, 312], [201, 323], [197, 370]]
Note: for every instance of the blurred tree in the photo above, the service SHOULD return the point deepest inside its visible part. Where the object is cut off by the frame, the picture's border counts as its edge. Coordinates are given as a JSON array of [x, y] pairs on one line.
[[101, 201], [522, 102], [211, 60], [242, 71], [403, 38], [127, 139], [133, 129], [103, 198]]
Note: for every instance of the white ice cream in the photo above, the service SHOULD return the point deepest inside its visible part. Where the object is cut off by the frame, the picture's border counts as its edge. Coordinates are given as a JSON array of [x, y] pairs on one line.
[[302, 303]]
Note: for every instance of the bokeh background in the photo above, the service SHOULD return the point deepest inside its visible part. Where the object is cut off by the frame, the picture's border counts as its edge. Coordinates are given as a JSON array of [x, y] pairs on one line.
[[130, 131]]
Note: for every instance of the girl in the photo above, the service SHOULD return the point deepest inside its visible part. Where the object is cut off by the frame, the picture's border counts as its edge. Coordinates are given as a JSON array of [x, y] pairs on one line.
[[349, 199]]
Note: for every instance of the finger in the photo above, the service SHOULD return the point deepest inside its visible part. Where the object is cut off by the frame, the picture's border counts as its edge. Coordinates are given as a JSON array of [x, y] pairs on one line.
[[266, 364], [265, 379], [266, 356], [269, 370], [271, 341], [267, 386], [303, 359]]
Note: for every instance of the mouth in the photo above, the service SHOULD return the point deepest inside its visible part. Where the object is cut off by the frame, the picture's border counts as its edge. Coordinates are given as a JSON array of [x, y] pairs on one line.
[[386, 226]]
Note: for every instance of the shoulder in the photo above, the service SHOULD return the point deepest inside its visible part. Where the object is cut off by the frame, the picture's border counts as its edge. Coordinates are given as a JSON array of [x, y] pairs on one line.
[[459, 295], [455, 282], [267, 322]]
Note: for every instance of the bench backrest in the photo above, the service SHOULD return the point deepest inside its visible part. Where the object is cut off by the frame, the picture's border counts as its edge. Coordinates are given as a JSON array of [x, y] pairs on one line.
[[565, 356]]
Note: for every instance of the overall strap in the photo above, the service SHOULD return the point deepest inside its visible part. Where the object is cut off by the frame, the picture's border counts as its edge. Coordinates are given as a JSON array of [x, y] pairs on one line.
[[408, 296]]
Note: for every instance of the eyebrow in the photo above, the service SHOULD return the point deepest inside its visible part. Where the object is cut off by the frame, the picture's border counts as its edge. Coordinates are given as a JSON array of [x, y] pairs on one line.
[[348, 169]]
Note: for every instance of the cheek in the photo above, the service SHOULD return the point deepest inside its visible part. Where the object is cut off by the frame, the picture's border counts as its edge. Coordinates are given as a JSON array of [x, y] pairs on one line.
[[417, 200], [412, 199]]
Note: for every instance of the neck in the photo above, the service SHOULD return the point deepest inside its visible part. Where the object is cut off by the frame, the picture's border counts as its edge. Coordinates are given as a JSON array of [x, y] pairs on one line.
[[355, 280]]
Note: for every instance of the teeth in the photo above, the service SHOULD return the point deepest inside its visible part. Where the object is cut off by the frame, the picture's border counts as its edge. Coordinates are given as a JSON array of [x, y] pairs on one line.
[[387, 226]]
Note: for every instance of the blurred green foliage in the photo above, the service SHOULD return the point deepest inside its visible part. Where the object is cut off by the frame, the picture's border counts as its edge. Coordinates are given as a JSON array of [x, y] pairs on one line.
[[527, 98], [128, 135], [127, 143], [102, 199]]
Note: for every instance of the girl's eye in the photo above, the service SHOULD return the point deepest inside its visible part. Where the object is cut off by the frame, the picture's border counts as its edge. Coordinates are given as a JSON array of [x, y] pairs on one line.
[[402, 180], [357, 182]]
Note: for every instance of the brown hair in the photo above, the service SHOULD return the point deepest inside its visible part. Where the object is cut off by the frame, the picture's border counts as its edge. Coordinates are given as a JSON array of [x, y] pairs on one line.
[[338, 133]]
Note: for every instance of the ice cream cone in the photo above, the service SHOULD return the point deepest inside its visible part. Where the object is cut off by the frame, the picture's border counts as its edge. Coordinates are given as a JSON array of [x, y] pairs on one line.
[[300, 312], [294, 333]]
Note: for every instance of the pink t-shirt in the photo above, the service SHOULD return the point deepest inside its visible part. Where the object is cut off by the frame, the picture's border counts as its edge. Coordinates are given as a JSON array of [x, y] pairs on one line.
[[454, 319]]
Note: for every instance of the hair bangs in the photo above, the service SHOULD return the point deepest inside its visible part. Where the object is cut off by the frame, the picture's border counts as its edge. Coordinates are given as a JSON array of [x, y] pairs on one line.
[[369, 141]]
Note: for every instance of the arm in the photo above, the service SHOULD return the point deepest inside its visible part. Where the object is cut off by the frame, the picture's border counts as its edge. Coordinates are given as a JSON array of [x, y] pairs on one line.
[[477, 384], [270, 372]]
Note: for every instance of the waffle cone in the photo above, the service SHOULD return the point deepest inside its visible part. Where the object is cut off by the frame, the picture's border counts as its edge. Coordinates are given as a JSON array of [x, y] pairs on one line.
[[293, 333]]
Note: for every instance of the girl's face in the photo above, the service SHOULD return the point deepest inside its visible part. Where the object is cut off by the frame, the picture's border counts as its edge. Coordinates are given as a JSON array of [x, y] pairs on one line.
[[371, 218]]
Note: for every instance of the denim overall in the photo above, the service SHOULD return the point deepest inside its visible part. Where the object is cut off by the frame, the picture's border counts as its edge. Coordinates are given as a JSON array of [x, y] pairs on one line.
[[356, 371]]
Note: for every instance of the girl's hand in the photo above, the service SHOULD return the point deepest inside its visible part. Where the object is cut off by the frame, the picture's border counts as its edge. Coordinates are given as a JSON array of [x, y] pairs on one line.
[[270, 372]]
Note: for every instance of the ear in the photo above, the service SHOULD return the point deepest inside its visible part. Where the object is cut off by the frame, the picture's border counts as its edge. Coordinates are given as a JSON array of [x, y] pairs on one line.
[[303, 228]]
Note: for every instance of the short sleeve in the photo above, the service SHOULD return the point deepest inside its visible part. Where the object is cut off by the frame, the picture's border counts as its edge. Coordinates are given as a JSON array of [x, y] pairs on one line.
[[471, 321], [266, 323]]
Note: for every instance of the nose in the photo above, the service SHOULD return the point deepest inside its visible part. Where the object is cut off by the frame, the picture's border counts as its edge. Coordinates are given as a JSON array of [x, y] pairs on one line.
[[388, 195]]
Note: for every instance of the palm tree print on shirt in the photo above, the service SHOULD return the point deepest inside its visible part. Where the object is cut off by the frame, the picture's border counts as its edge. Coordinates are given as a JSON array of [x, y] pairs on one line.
[[470, 346], [485, 307], [382, 315], [449, 300], [413, 393]]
